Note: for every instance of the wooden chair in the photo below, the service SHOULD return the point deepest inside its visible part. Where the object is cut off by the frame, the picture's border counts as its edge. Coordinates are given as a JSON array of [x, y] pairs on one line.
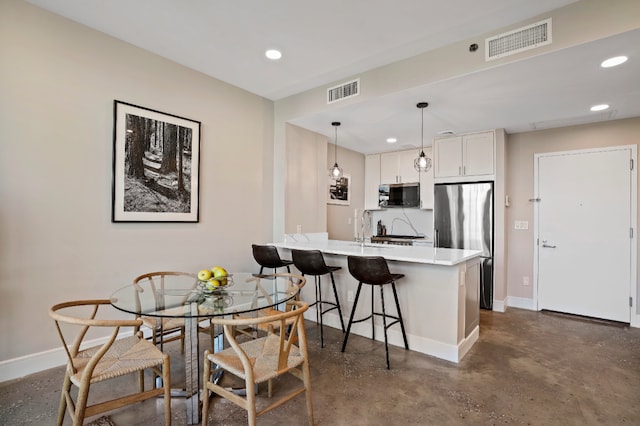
[[167, 329], [261, 360], [114, 358], [295, 283]]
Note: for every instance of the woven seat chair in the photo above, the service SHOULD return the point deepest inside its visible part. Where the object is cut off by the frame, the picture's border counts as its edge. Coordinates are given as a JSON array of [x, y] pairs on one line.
[[114, 358], [261, 360], [167, 329], [295, 283]]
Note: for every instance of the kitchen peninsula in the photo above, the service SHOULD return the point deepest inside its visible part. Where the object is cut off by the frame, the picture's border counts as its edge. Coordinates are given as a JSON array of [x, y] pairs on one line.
[[439, 295]]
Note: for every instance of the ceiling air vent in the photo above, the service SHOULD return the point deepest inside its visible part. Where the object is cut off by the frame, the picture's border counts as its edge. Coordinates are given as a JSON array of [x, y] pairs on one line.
[[525, 38], [343, 91]]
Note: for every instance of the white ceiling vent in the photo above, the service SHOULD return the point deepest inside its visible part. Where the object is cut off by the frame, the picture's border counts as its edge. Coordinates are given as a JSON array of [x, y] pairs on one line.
[[519, 40], [343, 91]]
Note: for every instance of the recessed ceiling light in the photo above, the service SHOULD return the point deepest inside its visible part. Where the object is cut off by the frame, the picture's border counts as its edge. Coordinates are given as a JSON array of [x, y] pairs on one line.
[[446, 132], [273, 54], [392, 140], [612, 62], [600, 107]]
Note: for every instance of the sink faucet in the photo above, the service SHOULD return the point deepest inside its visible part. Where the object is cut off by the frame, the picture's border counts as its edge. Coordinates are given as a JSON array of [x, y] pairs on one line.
[[365, 212]]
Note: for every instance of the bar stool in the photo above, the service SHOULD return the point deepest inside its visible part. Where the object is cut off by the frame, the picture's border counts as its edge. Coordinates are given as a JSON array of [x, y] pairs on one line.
[[311, 262], [373, 270], [268, 257]]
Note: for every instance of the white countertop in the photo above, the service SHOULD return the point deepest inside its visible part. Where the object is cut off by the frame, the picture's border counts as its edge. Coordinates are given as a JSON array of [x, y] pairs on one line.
[[416, 254]]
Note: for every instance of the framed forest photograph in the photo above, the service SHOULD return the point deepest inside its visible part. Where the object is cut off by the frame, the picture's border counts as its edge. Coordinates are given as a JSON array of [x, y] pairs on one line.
[[156, 163]]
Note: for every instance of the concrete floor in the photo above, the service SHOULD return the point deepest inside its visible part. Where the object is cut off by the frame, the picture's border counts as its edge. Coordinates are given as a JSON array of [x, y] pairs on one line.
[[531, 368]]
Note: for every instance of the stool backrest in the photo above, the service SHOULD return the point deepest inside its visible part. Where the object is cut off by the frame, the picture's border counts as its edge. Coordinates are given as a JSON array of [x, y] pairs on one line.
[[370, 269], [309, 262], [267, 256]]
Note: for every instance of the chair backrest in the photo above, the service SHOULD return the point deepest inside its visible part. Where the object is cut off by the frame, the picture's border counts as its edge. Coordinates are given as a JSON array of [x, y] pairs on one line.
[[267, 256], [82, 314], [158, 282], [310, 262], [370, 269], [287, 329]]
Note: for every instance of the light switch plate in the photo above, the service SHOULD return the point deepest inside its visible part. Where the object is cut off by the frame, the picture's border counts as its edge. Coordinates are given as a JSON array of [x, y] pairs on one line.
[[521, 224]]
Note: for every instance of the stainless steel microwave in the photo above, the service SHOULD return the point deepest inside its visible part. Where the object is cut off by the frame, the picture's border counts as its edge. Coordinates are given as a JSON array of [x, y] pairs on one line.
[[399, 195]]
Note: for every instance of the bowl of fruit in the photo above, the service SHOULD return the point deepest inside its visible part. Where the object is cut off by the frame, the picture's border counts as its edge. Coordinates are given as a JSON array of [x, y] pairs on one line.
[[214, 279]]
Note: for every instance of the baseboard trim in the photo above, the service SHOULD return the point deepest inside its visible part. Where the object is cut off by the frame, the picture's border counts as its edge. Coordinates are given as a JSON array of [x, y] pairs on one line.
[[520, 302], [498, 305]]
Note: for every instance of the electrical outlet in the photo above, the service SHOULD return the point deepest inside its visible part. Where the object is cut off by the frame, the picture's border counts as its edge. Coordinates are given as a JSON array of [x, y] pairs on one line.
[[298, 229], [525, 280], [521, 224], [350, 296]]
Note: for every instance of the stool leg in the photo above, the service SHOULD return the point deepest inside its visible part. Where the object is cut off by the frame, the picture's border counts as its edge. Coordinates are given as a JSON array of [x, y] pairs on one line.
[[404, 334], [373, 326], [384, 324], [261, 268], [318, 281], [288, 269], [335, 294], [353, 311]]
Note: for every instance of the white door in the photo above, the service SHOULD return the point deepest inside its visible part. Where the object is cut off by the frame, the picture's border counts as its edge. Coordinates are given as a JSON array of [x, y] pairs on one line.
[[584, 236]]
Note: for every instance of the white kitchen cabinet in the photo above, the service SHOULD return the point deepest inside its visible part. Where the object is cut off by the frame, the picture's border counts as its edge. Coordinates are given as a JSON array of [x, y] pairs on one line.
[[397, 167], [371, 181], [426, 184], [466, 156]]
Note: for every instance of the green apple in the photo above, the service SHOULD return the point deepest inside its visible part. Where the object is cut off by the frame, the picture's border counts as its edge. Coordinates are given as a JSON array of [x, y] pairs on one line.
[[204, 275], [219, 271], [212, 284]]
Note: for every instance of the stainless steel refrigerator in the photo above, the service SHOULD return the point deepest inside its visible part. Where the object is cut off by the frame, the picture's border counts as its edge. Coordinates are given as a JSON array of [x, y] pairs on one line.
[[463, 219]]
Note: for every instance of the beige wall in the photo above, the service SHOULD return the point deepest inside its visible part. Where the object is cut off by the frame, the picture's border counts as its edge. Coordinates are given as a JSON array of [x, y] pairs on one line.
[[58, 81], [340, 218], [520, 161]]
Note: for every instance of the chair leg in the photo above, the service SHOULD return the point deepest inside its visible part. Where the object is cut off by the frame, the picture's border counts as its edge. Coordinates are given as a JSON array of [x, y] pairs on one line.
[[353, 311], [166, 383], [251, 401], [205, 388], [404, 334], [384, 325], [62, 409], [335, 294], [81, 403]]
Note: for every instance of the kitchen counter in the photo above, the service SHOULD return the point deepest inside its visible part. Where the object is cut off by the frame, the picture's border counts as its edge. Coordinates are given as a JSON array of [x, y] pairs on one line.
[[414, 254], [439, 294]]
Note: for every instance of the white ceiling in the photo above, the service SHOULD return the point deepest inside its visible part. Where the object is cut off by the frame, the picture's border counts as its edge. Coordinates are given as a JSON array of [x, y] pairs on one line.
[[326, 41]]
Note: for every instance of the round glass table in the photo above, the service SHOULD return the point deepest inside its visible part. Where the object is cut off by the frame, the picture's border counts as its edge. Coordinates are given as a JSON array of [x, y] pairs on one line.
[[181, 296]]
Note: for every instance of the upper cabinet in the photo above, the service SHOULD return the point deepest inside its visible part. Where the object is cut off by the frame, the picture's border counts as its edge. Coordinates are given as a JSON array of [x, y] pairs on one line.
[[426, 184], [397, 167], [466, 157], [371, 181]]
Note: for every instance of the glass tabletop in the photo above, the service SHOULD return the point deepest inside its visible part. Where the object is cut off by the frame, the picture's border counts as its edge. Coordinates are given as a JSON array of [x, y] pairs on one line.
[[184, 296]]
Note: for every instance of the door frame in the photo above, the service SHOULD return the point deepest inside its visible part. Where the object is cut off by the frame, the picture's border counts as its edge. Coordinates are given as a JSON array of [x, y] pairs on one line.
[[634, 289]]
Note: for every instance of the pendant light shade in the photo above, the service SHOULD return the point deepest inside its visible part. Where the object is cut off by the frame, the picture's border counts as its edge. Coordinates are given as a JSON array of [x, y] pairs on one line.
[[422, 163], [335, 172]]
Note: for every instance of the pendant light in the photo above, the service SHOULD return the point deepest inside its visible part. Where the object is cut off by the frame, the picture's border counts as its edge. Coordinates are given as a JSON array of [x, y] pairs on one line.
[[335, 172], [422, 163]]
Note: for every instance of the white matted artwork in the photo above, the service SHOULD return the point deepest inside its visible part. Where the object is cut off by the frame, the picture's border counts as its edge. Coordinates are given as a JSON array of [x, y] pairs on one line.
[[339, 190]]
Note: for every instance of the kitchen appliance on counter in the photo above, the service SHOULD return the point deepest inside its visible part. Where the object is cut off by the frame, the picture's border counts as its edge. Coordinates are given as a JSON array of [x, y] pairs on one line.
[[399, 195], [463, 219]]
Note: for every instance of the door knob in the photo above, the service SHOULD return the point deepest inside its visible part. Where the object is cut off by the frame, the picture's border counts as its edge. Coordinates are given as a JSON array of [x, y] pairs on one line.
[[545, 245]]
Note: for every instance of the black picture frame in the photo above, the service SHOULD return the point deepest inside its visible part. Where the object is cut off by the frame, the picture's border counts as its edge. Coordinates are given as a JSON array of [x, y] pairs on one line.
[[156, 166]]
